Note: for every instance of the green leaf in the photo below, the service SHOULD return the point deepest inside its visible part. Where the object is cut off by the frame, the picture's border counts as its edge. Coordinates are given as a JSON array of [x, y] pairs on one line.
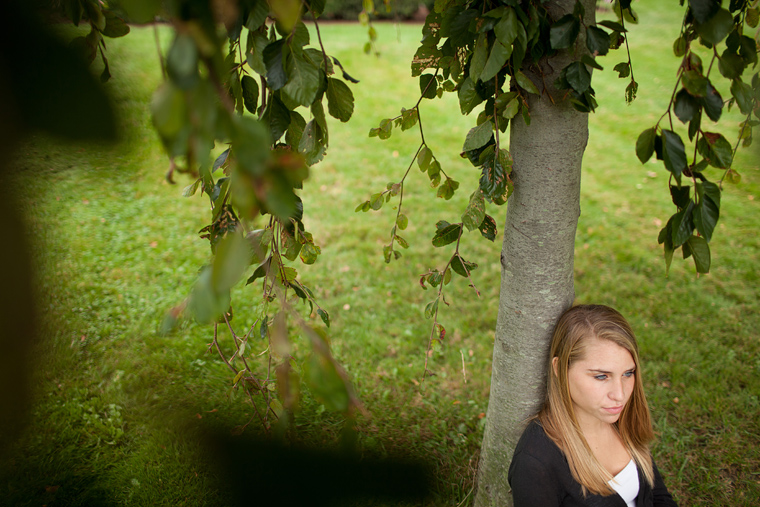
[[508, 29], [431, 308], [206, 304], [673, 154], [703, 10], [424, 157], [309, 253], [475, 213], [277, 117], [623, 69], [402, 221], [695, 83], [428, 86], [479, 57], [730, 65], [115, 26], [325, 382], [303, 80], [525, 83], [468, 96], [701, 252], [578, 76], [588, 60], [250, 94], [752, 17], [446, 191], [447, 235], [273, 60], [478, 136], [487, 228], [686, 106], [717, 27], [679, 46], [426, 57], [182, 61], [340, 99], [712, 102], [564, 32], [613, 25], [742, 92], [324, 316], [401, 241], [257, 42], [496, 60], [707, 211], [462, 267], [683, 225], [716, 149], [680, 195], [376, 201], [597, 41], [645, 144]]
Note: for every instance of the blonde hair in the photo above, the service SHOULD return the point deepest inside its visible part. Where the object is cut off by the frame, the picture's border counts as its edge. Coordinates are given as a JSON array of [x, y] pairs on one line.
[[574, 328]]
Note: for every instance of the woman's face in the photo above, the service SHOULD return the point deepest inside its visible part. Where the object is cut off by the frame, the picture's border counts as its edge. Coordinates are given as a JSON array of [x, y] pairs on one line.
[[601, 383]]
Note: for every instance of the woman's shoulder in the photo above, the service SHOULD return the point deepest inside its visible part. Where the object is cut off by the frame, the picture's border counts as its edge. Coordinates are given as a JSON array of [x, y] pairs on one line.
[[536, 443]]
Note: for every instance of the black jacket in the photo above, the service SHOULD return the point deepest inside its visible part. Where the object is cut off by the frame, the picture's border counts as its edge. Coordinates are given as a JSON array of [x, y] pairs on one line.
[[540, 477]]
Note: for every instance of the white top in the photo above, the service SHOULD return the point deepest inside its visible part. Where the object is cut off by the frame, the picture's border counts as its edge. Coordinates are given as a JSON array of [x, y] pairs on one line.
[[626, 483]]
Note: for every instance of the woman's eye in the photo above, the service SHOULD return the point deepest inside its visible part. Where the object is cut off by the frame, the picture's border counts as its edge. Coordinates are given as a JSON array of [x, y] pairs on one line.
[[600, 377], [629, 373]]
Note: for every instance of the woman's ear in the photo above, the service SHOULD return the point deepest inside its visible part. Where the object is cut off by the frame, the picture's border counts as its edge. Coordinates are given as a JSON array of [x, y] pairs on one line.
[[555, 363]]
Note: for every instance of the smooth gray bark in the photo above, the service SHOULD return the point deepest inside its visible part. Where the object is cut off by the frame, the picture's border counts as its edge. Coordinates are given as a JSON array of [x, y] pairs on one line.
[[537, 265]]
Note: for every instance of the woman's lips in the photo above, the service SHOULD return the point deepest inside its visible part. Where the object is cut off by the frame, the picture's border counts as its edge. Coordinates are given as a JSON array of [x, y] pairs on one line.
[[614, 410]]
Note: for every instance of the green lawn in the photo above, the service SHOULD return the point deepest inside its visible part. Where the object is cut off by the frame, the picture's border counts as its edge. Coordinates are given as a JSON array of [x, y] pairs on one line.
[[120, 411]]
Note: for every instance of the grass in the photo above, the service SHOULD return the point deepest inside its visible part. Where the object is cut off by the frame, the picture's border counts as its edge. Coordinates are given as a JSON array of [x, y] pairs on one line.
[[120, 411]]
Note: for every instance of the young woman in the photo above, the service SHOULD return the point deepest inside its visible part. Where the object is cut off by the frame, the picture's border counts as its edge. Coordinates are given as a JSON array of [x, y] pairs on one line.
[[589, 444]]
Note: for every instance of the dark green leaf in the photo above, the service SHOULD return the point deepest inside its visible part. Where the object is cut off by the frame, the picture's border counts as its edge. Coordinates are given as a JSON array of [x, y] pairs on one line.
[[673, 154], [115, 26], [613, 25], [712, 102], [447, 235], [182, 61], [706, 212], [479, 57], [273, 60], [324, 316], [679, 47], [578, 76], [623, 69], [717, 27], [703, 10], [303, 80], [716, 149], [742, 92], [686, 106], [588, 60], [468, 96], [428, 86], [250, 94], [496, 60], [731, 65], [680, 196], [525, 83], [683, 225], [695, 124], [461, 266], [564, 32], [695, 83], [666, 239], [701, 252], [645, 144], [340, 99], [508, 28], [478, 136], [277, 116], [488, 228], [597, 41]]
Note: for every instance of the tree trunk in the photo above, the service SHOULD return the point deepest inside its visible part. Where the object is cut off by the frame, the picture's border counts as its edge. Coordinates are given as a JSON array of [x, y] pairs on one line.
[[537, 263]]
